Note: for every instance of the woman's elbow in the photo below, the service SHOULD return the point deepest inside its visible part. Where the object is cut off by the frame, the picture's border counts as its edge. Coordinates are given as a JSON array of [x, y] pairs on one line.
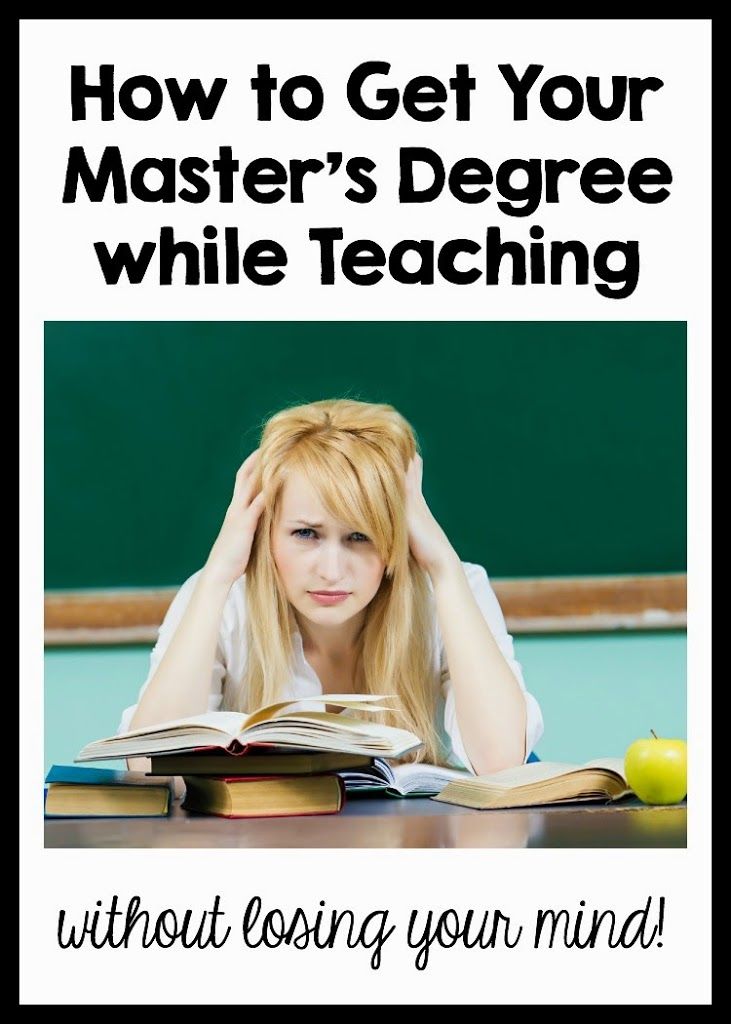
[[491, 761]]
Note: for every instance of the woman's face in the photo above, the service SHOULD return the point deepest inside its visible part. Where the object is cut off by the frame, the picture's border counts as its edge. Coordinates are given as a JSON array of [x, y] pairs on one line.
[[315, 553]]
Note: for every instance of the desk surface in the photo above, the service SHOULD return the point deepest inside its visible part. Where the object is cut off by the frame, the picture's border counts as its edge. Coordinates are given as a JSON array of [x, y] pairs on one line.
[[382, 822]]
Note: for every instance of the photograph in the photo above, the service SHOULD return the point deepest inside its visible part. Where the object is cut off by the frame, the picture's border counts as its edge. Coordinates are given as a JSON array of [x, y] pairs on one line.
[[365, 584]]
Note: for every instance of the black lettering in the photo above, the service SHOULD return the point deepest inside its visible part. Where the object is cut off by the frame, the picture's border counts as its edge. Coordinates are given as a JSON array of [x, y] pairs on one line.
[[225, 167], [548, 98], [264, 253], [358, 169], [362, 253], [110, 166], [313, 107], [264, 173], [627, 276], [165, 192], [389, 97], [297, 171], [468, 173], [446, 261], [529, 193], [637, 89], [424, 274], [81, 91], [169, 250], [580, 253], [420, 90], [601, 171], [407, 192], [127, 101], [326, 237], [463, 85], [190, 166], [263, 85], [123, 259], [495, 249], [594, 99], [520, 87], [194, 96], [649, 172]]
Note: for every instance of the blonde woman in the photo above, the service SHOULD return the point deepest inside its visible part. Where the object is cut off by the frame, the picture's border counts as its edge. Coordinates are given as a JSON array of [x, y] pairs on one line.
[[331, 575]]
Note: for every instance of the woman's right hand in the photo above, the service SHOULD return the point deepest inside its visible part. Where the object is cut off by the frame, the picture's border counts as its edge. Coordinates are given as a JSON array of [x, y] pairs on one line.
[[230, 553]]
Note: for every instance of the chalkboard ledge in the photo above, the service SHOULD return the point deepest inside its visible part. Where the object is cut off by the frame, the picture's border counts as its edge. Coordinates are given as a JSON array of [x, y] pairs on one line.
[[557, 604]]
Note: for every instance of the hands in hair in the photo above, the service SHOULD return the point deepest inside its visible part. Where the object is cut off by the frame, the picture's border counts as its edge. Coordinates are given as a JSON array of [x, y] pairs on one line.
[[231, 550], [428, 542]]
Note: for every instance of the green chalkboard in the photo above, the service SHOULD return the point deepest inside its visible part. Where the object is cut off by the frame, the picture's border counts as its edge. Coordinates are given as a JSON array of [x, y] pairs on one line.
[[549, 448]]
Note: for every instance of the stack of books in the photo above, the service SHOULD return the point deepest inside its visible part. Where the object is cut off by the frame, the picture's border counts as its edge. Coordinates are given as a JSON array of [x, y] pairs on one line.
[[279, 783], [271, 783], [277, 761]]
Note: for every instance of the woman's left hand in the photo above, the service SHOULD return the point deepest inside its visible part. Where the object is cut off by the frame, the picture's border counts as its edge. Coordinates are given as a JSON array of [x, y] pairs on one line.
[[428, 542]]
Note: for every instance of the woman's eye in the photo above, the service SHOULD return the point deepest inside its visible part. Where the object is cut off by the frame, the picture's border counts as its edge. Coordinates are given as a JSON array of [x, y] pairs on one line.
[[307, 533]]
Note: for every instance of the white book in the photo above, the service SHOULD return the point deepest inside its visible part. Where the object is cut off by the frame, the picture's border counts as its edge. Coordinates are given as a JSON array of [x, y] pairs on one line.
[[280, 725], [541, 782], [400, 779]]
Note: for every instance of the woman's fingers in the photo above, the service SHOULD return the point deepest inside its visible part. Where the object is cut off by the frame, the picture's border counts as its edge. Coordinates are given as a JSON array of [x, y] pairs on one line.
[[257, 506], [414, 475], [244, 477], [248, 464]]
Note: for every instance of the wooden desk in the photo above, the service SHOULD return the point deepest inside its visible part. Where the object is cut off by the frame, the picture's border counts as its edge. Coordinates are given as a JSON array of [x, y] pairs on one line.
[[378, 822]]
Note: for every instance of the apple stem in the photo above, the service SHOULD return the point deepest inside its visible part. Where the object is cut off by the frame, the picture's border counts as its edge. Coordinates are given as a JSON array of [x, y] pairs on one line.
[[653, 733]]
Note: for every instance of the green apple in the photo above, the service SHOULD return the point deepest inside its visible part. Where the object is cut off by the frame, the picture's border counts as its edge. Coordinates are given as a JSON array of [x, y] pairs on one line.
[[657, 769]]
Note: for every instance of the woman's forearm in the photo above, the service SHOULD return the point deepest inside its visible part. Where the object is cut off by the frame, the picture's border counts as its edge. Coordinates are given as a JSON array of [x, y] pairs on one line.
[[181, 683], [491, 709]]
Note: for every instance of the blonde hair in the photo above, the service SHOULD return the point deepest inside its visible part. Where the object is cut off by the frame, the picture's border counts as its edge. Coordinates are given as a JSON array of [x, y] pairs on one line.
[[355, 455]]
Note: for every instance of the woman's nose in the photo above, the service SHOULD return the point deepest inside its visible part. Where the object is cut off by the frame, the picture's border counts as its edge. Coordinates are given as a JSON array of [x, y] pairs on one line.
[[331, 562]]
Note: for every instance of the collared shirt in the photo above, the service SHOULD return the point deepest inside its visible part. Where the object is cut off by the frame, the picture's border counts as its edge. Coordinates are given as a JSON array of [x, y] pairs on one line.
[[230, 660]]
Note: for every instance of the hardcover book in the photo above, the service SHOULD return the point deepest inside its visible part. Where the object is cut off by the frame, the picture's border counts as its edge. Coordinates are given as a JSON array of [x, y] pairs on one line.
[[266, 761], [73, 791], [264, 797]]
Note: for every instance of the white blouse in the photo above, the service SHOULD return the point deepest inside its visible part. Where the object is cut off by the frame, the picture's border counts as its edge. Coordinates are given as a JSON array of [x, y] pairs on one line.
[[230, 660]]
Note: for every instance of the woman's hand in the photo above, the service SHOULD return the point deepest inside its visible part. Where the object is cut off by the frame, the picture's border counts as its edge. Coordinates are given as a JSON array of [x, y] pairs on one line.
[[230, 553], [427, 540]]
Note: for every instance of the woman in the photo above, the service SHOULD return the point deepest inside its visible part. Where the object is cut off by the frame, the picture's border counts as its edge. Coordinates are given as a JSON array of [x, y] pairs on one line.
[[331, 575]]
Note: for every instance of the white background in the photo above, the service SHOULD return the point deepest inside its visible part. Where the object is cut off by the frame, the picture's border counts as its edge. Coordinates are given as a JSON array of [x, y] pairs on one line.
[[62, 281]]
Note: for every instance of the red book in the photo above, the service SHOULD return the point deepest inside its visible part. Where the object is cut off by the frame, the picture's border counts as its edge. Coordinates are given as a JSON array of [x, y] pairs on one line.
[[263, 796]]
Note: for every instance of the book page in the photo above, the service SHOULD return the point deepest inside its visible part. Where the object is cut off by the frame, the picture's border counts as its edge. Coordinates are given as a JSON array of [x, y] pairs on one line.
[[356, 701], [228, 723], [541, 771], [527, 774], [325, 722], [429, 778], [612, 764]]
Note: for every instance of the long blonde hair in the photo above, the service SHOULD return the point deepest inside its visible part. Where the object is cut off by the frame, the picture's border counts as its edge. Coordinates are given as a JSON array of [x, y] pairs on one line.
[[355, 455]]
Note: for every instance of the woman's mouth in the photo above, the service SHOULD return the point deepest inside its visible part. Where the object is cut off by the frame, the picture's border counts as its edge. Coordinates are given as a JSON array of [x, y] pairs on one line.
[[328, 596]]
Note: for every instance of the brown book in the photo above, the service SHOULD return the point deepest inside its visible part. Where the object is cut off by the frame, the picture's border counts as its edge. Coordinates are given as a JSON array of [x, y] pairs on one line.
[[263, 796], [540, 782], [275, 763]]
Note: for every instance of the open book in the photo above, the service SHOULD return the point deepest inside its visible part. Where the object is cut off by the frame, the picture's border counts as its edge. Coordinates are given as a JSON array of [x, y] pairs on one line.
[[540, 782], [400, 779], [274, 725]]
